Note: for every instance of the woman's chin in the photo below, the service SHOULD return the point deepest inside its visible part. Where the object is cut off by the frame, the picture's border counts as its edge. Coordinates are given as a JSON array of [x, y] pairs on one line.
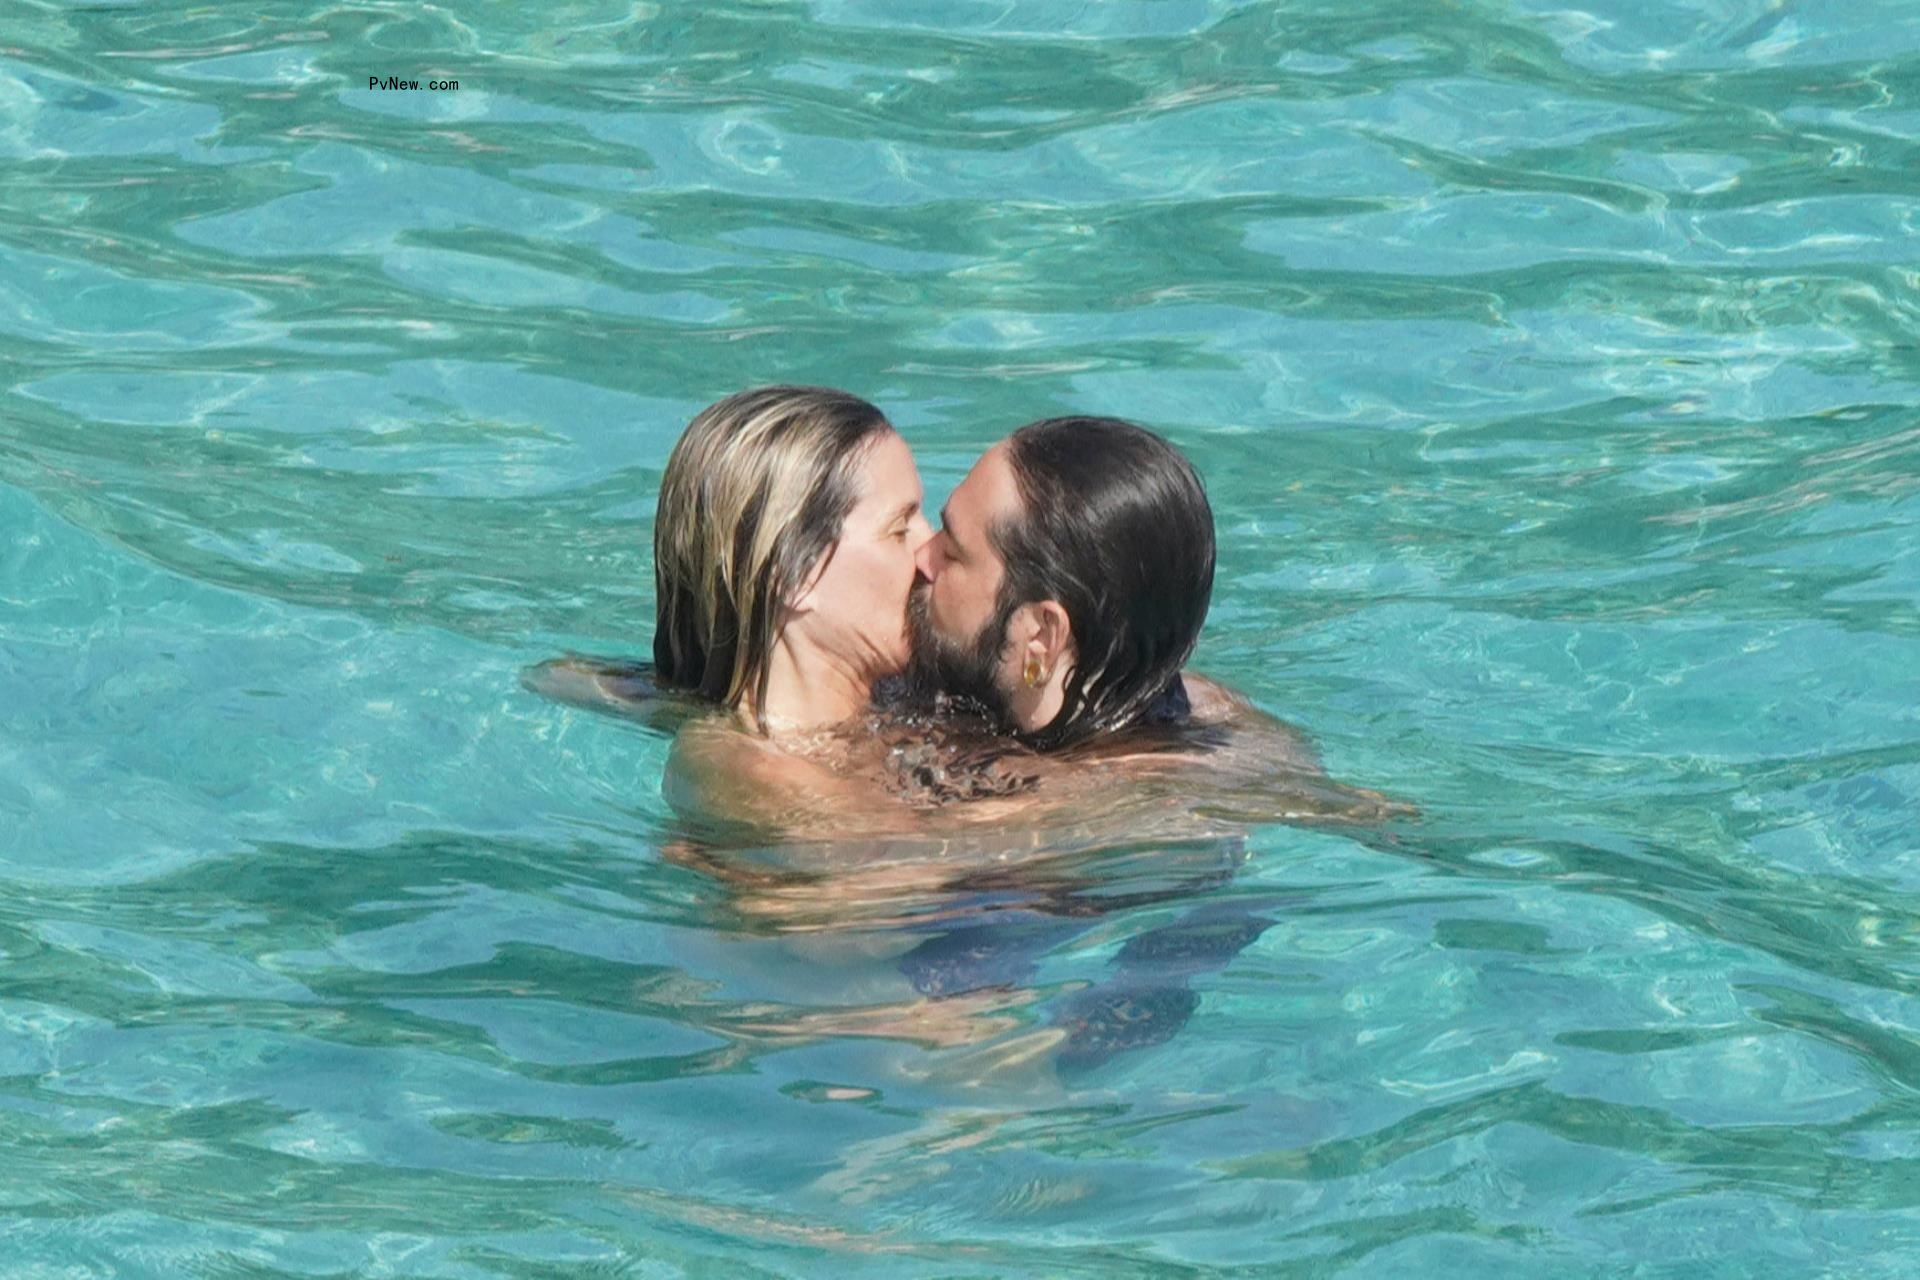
[[900, 658]]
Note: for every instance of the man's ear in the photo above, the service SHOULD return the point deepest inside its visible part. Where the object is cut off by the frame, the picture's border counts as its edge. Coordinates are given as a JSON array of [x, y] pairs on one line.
[[1050, 633]]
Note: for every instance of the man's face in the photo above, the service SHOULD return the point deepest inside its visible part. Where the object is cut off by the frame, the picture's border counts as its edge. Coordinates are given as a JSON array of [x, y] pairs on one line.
[[958, 632]]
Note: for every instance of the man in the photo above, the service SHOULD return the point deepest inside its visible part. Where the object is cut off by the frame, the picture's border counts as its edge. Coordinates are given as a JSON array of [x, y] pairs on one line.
[[1062, 596], [1064, 593]]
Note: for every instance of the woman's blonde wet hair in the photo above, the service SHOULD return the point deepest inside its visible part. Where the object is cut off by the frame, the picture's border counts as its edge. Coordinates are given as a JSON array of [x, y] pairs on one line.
[[754, 494]]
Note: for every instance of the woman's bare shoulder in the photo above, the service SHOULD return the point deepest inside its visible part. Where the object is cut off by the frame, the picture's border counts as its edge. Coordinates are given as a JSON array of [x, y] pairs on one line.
[[722, 767], [717, 771]]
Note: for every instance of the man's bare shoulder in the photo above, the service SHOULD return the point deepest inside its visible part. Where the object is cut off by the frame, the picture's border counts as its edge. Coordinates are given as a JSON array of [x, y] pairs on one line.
[[1289, 782], [1211, 702], [1214, 704]]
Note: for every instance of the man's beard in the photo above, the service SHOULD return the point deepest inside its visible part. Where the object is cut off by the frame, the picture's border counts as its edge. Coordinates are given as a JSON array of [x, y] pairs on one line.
[[941, 668]]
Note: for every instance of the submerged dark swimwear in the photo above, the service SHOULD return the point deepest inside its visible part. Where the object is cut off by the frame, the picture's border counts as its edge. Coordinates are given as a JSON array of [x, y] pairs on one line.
[[1147, 1000]]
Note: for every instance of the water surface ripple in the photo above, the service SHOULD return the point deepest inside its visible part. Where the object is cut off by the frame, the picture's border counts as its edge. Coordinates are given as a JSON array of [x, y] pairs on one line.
[[1553, 371]]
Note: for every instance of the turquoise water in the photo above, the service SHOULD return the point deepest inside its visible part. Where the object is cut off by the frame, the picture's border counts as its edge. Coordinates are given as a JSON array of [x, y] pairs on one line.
[[1553, 371]]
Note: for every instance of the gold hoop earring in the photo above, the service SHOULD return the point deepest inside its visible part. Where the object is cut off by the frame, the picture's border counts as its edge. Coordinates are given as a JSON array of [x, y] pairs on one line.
[[1032, 672]]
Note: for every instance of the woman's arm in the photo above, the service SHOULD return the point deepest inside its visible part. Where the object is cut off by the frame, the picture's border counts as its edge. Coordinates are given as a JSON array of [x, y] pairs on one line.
[[620, 688]]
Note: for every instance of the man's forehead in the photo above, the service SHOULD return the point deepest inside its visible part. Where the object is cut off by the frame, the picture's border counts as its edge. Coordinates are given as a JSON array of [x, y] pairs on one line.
[[989, 492]]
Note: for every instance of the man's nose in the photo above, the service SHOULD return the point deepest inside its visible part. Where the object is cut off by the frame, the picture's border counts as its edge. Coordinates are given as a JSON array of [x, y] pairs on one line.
[[927, 558]]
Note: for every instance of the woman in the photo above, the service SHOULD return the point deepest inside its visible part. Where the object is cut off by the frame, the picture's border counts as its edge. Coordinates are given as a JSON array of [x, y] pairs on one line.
[[784, 549]]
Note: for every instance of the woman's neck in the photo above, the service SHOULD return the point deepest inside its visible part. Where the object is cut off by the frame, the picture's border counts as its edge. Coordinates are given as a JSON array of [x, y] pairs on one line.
[[809, 690]]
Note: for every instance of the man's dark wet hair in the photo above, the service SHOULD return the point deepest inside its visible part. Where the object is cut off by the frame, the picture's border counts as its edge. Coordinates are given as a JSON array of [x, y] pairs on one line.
[[1113, 524]]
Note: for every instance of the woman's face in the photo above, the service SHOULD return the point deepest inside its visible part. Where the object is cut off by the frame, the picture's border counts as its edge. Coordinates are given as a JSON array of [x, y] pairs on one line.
[[856, 608]]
